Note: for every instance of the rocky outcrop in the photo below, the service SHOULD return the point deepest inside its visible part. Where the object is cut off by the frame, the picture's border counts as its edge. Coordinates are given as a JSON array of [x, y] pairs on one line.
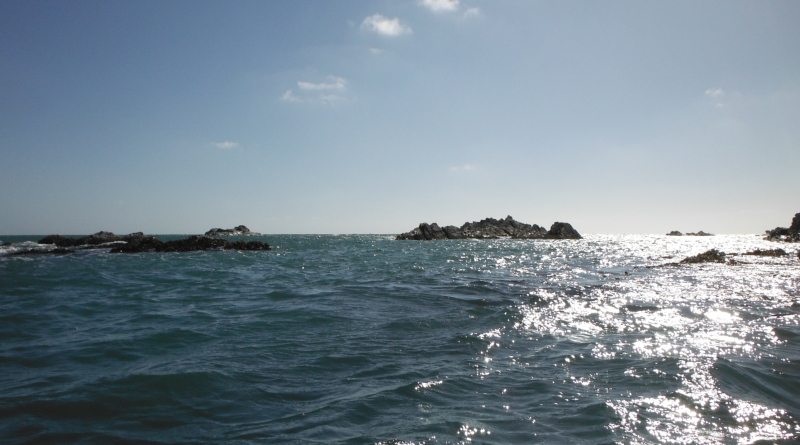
[[770, 252], [710, 256], [236, 231], [139, 242], [191, 244], [790, 234], [91, 240], [490, 228], [700, 233]]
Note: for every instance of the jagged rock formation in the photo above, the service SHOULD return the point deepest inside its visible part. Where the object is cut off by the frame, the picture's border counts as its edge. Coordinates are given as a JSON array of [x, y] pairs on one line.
[[791, 234], [236, 231], [491, 228], [139, 242]]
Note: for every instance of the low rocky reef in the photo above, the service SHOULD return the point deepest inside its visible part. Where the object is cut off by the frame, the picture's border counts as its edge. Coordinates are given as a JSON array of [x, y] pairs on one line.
[[678, 233], [491, 228], [718, 256], [789, 235], [139, 242], [236, 231]]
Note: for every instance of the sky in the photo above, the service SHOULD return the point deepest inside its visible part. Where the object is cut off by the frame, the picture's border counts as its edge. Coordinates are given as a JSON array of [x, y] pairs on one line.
[[372, 116]]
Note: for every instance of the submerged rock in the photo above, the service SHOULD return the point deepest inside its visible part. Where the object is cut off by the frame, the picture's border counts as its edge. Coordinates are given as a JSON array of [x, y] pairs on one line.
[[490, 228], [236, 231], [790, 234]]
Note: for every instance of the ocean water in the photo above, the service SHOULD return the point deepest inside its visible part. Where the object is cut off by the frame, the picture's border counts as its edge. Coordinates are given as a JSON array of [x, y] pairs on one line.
[[362, 339]]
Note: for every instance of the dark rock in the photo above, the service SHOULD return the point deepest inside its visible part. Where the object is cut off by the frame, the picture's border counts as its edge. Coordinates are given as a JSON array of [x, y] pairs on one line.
[[795, 227], [790, 235], [771, 252], [236, 231], [91, 240], [700, 233], [139, 242], [675, 233], [99, 238], [453, 232], [711, 256], [191, 244], [562, 230], [491, 228], [59, 240]]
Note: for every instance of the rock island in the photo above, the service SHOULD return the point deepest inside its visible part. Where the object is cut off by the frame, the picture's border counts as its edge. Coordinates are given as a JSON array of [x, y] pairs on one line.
[[491, 228]]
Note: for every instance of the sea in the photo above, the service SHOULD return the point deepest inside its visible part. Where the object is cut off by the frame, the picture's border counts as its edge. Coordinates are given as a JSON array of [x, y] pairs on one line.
[[362, 339]]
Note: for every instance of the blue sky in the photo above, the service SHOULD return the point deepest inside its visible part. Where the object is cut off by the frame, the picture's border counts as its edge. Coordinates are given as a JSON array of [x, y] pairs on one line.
[[374, 116]]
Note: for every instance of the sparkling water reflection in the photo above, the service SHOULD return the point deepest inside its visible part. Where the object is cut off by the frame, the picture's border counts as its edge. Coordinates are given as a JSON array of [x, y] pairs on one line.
[[367, 340]]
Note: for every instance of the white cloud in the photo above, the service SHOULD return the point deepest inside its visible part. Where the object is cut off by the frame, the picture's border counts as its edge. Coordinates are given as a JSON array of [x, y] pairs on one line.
[[385, 26], [334, 83], [331, 91], [376, 51], [440, 5], [227, 145], [714, 92]]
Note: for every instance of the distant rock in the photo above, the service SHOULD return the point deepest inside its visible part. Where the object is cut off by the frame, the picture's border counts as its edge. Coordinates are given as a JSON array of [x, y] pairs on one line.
[[491, 228], [790, 235], [236, 231], [139, 242], [700, 233]]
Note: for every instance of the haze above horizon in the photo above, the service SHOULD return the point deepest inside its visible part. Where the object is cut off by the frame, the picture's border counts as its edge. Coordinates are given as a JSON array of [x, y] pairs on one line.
[[373, 116]]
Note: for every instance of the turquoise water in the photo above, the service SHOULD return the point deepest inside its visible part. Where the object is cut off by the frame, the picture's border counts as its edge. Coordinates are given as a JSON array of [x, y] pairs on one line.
[[361, 339]]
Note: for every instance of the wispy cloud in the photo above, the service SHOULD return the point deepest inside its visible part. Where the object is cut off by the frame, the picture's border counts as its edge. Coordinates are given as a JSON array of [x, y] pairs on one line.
[[332, 90], [333, 83], [385, 26], [440, 5], [720, 97], [472, 12], [227, 145], [462, 168]]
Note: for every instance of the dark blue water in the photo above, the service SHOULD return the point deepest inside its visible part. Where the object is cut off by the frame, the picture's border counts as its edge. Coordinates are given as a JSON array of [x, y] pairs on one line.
[[367, 340]]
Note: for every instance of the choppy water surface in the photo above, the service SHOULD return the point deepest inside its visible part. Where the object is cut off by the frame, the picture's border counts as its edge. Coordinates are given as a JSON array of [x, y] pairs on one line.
[[367, 340]]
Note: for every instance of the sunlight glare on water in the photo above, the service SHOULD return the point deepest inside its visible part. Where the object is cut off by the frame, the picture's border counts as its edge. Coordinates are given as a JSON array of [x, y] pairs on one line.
[[689, 327]]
